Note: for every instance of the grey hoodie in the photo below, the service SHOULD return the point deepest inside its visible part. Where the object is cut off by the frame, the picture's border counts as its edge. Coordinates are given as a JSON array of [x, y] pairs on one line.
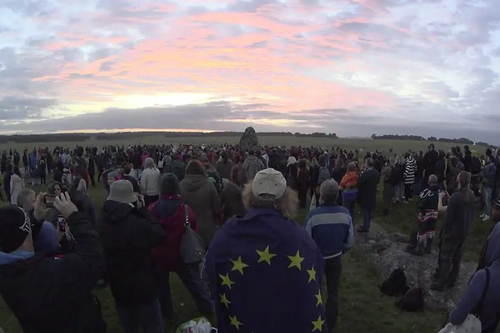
[[252, 165]]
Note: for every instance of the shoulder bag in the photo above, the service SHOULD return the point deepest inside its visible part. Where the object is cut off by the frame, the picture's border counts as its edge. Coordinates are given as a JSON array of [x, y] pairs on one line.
[[192, 247]]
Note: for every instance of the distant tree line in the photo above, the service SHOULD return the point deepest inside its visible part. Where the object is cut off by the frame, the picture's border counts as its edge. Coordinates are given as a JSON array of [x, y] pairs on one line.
[[462, 141], [81, 137]]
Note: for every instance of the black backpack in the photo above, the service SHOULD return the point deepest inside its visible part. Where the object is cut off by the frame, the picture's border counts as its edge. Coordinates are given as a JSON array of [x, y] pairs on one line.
[[395, 285], [219, 184], [412, 301]]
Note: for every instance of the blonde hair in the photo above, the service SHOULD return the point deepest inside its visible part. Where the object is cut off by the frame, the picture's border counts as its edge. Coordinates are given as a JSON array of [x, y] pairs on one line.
[[286, 205], [400, 159]]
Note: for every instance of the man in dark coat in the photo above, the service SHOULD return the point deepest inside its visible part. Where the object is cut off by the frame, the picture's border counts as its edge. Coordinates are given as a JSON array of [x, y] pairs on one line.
[[367, 193], [128, 232], [49, 294], [430, 159]]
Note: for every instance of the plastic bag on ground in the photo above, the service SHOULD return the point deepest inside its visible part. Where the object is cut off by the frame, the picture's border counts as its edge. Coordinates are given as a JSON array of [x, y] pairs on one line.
[[471, 325], [198, 325]]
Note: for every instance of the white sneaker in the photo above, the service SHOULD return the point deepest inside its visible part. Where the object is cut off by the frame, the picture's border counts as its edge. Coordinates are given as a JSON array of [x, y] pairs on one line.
[[482, 215], [486, 218]]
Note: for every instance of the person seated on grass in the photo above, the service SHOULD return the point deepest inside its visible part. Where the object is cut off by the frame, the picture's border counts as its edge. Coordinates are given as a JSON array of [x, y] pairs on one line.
[[331, 227], [51, 295], [484, 283], [264, 267]]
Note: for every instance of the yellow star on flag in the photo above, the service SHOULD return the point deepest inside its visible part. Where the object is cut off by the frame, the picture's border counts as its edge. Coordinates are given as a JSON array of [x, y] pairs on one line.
[[224, 300], [265, 255], [236, 323], [318, 324], [296, 261], [312, 274], [319, 298], [226, 281], [238, 265]]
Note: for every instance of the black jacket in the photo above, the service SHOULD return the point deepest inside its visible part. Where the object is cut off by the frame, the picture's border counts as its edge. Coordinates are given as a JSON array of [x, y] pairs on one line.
[[430, 159], [135, 183], [127, 236], [367, 188], [55, 295]]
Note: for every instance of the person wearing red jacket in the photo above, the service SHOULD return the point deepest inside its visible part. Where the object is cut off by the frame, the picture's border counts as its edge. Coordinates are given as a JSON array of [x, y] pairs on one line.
[[169, 210]]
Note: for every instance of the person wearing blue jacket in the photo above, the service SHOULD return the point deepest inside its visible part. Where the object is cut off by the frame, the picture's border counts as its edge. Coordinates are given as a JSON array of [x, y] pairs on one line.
[[330, 226], [490, 261]]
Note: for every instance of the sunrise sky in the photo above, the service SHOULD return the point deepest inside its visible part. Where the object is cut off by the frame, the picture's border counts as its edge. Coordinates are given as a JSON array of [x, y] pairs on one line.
[[352, 67]]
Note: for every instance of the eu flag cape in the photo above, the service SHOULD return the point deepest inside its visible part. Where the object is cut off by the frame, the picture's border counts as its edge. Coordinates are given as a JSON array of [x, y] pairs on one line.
[[265, 274]]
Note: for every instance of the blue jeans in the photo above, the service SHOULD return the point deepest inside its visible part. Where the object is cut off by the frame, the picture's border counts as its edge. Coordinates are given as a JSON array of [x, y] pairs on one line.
[[147, 316], [348, 202], [366, 215], [487, 192], [197, 287]]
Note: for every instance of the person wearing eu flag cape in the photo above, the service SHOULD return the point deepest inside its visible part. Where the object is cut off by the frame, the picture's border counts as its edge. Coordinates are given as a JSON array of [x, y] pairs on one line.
[[264, 270]]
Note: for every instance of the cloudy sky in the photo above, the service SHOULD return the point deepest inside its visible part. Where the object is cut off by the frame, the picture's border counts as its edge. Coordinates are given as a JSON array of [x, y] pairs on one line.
[[354, 67]]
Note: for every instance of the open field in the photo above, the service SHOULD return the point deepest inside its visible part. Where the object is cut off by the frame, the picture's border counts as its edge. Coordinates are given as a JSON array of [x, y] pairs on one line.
[[361, 306], [326, 143]]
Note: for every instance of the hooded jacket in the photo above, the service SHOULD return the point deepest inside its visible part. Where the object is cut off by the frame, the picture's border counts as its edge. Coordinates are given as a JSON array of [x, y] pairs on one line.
[[471, 297], [49, 295], [127, 236], [201, 196], [252, 165]]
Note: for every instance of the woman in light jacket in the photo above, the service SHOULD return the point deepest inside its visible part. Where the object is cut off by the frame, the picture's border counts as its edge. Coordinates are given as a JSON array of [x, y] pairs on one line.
[[150, 182], [16, 185]]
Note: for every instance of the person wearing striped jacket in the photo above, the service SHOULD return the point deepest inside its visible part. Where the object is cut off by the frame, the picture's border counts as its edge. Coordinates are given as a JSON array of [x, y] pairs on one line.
[[409, 176]]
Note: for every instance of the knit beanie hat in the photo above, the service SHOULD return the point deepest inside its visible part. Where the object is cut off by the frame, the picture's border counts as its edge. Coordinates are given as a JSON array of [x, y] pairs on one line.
[[169, 184], [15, 226]]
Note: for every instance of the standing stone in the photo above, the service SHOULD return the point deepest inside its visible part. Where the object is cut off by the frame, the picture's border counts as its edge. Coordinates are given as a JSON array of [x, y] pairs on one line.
[[249, 139]]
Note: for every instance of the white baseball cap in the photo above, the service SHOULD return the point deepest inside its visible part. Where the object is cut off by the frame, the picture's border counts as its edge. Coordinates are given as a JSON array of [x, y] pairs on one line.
[[269, 184]]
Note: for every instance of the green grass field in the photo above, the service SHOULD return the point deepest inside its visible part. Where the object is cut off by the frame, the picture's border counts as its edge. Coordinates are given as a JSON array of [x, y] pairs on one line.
[[326, 143], [362, 309]]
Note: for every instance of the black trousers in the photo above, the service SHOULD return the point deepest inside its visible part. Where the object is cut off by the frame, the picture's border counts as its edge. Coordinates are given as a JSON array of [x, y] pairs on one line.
[[149, 199], [450, 256], [43, 178], [333, 268], [408, 192], [302, 196]]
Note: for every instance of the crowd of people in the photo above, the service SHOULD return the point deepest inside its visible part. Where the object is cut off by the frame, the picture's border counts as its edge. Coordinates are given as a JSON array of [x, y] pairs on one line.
[[222, 219]]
